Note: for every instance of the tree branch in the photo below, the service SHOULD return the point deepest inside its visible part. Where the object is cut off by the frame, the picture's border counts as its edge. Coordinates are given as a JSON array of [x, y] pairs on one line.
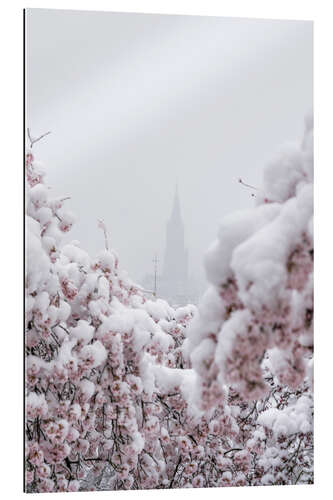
[[32, 140]]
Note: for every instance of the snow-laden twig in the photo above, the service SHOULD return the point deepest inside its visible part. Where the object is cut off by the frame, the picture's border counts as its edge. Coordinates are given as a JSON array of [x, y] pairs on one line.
[[101, 225]]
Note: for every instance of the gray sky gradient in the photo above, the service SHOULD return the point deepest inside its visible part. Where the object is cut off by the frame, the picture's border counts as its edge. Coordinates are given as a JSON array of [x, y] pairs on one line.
[[136, 102]]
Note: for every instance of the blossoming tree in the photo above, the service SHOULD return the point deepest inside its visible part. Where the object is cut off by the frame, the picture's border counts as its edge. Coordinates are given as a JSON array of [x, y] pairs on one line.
[[125, 392], [254, 330]]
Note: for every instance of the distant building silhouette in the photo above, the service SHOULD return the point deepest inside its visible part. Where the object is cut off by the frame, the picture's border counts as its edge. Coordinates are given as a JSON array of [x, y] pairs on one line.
[[175, 270], [173, 282]]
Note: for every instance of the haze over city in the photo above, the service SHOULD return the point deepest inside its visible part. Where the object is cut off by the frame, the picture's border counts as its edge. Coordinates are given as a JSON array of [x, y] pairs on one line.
[[138, 102]]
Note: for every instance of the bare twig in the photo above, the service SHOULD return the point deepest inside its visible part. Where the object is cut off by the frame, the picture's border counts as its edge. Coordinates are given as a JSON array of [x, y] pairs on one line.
[[247, 185], [33, 141]]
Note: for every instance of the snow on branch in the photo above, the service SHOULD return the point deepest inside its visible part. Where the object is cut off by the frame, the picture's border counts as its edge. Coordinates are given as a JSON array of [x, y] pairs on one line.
[[101, 225]]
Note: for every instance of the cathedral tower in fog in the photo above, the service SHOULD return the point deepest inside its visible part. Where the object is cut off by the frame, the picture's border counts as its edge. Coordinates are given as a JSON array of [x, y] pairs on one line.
[[174, 282]]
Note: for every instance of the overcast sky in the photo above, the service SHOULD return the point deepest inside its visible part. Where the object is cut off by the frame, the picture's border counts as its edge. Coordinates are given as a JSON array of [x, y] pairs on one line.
[[137, 102]]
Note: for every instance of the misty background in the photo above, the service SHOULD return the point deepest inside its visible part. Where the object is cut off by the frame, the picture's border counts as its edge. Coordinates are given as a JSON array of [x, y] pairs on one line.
[[139, 102]]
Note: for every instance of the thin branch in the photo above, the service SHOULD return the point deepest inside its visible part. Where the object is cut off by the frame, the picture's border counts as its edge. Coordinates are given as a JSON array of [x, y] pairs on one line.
[[298, 477], [151, 456], [102, 225], [60, 326], [247, 416], [247, 185], [33, 141], [165, 458], [175, 472], [232, 449]]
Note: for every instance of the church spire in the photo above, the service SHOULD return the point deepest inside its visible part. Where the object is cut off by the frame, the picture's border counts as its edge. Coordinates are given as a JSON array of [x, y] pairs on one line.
[[175, 272], [175, 214]]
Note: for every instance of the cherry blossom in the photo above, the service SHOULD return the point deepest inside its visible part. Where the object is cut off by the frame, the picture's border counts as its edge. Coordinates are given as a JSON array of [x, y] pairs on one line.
[[124, 391]]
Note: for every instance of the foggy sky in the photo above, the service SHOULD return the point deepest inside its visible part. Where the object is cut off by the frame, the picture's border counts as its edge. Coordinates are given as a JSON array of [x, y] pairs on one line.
[[138, 102]]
